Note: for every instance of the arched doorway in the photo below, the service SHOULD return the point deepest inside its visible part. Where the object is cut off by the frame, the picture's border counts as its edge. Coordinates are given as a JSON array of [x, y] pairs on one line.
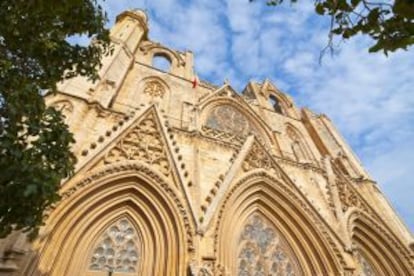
[[278, 234], [125, 222]]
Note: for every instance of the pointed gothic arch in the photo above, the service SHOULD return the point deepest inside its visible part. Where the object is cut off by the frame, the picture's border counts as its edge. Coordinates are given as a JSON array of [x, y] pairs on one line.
[[128, 191], [298, 145], [252, 124], [377, 246], [286, 103], [304, 232]]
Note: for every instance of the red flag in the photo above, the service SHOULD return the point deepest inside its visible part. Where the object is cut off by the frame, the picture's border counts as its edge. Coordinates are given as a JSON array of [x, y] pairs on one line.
[[195, 81]]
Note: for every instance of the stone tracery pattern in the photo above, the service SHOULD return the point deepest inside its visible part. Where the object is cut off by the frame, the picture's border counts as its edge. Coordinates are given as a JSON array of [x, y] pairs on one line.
[[263, 252], [143, 143], [349, 198], [223, 136], [226, 118], [154, 89], [116, 249], [259, 159]]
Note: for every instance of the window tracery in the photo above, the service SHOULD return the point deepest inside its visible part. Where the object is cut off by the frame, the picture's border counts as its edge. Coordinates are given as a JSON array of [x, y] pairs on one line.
[[227, 119], [263, 251], [116, 249], [154, 89], [297, 146]]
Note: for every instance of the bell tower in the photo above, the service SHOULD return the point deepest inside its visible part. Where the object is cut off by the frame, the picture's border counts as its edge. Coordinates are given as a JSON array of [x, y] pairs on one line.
[[131, 27]]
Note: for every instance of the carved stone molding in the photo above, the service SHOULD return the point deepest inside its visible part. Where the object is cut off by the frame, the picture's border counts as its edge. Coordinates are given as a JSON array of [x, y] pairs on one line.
[[223, 136], [154, 89], [258, 158], [144, 143], [358, 216], [139, 169], [260, 176]]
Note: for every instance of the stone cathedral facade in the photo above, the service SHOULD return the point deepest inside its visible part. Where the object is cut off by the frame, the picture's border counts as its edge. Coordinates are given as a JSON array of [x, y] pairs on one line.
[[181, 177]]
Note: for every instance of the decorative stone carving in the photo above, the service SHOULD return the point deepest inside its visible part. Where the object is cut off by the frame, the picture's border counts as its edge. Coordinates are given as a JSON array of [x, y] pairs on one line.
[[117, 249], [226, 118], [207, 267], [223, 136], [293, 197], [348, 197], [144, 143], [154, 89], [263, 251], [258, 158]]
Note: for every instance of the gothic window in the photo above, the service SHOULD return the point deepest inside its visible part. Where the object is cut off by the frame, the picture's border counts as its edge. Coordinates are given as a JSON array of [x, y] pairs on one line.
[[161, 62], [297, 145], [274, 102], [263, 251], [228, 119], [298, 151], [116, 249]]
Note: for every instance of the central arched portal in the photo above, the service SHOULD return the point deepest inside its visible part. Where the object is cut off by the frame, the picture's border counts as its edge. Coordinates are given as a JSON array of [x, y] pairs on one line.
[[126, 224]]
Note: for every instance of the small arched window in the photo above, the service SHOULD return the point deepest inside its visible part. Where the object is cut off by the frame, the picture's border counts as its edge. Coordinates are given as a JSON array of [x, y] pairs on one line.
[[274, 102], [161, 62]]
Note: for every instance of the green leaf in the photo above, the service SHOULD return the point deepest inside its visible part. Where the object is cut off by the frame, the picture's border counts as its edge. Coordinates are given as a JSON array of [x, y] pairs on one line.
[[319, 9]]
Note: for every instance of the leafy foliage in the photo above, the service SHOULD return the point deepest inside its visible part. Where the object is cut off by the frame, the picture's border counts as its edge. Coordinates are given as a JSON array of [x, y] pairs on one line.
[[34, 140], [389, 23]]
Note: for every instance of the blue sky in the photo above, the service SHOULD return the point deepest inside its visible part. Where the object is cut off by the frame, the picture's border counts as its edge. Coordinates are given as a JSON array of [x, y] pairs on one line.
[[369, 97]]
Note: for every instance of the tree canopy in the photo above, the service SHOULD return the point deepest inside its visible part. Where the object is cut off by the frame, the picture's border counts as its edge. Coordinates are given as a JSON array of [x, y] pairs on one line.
[[34, 141], [389, 23]]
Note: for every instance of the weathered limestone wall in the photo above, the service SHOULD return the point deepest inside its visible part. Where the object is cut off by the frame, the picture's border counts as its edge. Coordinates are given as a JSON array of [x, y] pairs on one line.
[[189, 168]]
